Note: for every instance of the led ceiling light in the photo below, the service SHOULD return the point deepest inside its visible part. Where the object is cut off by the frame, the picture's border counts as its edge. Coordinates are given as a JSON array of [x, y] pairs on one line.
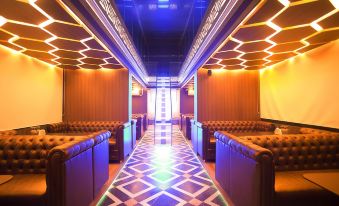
[[45, 23], [2, 21], [59, 38], [285, 2], [316, 26], [335, 3], [265, 38], [274, 26]]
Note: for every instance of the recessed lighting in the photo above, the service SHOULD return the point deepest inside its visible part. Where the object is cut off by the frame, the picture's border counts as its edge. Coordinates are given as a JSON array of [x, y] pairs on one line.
[[316, 26], [2, 21], [335, 3]]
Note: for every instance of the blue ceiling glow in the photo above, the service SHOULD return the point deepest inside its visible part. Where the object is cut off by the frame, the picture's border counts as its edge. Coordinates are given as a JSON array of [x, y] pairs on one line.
[[162, 30]]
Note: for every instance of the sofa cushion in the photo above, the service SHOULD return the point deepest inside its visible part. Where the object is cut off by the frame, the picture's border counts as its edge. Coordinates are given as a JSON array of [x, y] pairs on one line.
[[292, 188], [24, 189], [301, 151]]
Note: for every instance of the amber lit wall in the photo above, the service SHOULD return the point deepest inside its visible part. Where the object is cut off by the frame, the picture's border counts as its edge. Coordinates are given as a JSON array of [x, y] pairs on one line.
[[139, 103], [186, 102], [30, 91], [96, 95], [227, 95], [303, 90]]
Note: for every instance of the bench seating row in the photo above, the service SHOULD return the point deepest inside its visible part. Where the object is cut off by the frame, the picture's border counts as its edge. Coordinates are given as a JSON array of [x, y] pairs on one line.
[[53, 169]]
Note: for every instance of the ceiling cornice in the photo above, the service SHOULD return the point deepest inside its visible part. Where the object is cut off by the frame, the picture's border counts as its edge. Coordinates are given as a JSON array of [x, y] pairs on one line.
[[105, 15], [215, 28]]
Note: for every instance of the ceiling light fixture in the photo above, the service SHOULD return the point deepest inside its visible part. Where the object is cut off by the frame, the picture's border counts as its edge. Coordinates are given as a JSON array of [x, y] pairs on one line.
[[335, 3], [285, 2], [273, 26], [316, 26], [46, 23], [2, 21]]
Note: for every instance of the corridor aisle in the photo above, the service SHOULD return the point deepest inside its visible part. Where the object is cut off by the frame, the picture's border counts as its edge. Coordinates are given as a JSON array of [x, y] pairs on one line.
[[162, 175]]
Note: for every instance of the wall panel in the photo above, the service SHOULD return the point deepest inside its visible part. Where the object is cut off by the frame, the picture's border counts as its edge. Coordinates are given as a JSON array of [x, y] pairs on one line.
[[186, 102], [139, 103], [227, 95], [303, 90], [96, 95], [30, 91]]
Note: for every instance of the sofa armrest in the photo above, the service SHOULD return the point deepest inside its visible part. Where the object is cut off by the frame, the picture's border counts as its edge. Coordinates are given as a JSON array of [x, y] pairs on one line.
[[250, 171], [69, 175], [57, 127], [100, 136], [205, 139]]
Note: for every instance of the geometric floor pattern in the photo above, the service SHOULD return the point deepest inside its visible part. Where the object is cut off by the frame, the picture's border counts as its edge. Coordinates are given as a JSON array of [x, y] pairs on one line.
[[162, 175]]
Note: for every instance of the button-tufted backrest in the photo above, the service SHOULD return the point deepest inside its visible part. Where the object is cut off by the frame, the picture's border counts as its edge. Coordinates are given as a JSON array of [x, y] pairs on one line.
[[27, 154], [305, 130], [93, 126], [236, 126], [8, 132], [301, 151]]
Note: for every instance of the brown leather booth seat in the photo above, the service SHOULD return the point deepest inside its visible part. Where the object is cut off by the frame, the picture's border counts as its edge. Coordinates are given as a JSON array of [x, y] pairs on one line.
[[8, 132], [139, 125], [186, 125], [207, 142], [117, 142], [267, 170], [47, 170]]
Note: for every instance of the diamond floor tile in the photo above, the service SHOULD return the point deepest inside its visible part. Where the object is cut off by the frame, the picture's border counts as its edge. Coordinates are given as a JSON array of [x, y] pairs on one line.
[[162, 175]]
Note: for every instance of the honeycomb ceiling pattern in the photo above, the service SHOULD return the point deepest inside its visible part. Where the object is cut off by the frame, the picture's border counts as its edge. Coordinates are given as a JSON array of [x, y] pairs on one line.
[[42, 29], [278, 30]]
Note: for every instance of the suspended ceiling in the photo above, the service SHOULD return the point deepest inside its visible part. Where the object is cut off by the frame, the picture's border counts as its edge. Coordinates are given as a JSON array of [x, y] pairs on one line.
[[44, 30], [276, 31]]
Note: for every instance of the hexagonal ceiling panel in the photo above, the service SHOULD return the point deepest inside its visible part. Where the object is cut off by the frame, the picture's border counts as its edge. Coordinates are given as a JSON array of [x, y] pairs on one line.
[[276, 31], [45, 31]]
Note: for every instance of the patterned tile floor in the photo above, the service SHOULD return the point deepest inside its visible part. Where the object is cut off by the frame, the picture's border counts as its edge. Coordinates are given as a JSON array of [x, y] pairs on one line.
[[162, 175]]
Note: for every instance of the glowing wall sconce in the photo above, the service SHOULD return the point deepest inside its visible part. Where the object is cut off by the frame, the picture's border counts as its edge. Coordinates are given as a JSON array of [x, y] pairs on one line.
[[136, 91], [190, 92]]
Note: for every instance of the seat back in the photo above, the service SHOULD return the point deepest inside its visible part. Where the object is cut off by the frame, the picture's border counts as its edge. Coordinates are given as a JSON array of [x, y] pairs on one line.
[[94, 126], [27, 154], [301, 151], [230, 126]]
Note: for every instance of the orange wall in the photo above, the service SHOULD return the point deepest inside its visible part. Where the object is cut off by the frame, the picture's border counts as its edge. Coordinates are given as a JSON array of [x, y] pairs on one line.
[[97, 95], [30, 91], [303, 90], [227, 95]]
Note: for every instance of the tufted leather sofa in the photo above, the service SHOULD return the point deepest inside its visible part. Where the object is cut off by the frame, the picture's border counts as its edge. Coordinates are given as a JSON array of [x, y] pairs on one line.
[[139, 125], [267, 170], [8, 132], [186, 125], [116, 141], [47, 170], [100, 158], [207, 142]]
